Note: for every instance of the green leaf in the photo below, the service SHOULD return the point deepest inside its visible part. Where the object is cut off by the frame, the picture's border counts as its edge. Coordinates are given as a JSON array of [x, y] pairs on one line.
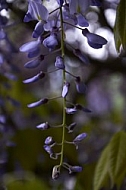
[[120, 25], [117, 157], [101, 172]]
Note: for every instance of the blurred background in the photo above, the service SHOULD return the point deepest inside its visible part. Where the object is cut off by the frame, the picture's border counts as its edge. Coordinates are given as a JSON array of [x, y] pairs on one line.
[[22, 157]]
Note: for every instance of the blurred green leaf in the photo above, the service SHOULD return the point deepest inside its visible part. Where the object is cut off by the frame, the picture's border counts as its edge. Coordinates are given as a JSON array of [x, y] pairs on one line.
[[101, 173], [120, 25], [117, 157], [112, 163]]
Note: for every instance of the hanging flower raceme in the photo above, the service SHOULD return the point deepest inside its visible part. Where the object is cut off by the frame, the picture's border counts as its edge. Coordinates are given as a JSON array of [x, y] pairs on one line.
[[50, 31]]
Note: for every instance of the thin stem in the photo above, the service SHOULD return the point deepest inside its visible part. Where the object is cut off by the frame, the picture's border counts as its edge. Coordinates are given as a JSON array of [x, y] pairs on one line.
[[64, 79], [70, 74], [73, 25], [54, 10]]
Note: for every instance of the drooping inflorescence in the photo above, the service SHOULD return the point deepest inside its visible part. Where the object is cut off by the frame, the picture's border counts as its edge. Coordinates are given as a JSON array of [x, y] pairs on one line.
[[50, 33]]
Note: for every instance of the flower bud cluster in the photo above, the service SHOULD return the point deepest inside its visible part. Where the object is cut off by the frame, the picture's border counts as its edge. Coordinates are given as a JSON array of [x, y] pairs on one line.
[[50, 33]]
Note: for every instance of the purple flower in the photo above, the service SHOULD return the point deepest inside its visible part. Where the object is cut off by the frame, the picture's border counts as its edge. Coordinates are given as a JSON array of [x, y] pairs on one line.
[[59, 64], [35, 78], [65, 89], [80, 107], [71, 110], [79, 138], [50, 42], [60, 2], [55, 172], [95, 3], [34, 63], [38, 30], [1, 59], [48, 149], [81, 56], [34, 53], [80, 86], [78, 6], [70, 18], [3, 5], [71, 127], [52, 24], [36, 11], [38, 103], [43, 126], [94, 40], [75, 169], [81, 21], [32, 47], [49, 141], [3, 20], [2, 34]]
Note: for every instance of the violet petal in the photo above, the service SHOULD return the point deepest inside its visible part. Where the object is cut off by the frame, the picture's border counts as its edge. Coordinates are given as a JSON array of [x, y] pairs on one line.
[[65, 89], [79, 138], [34, 78], [43, 126], [59, 63], [38, 103]]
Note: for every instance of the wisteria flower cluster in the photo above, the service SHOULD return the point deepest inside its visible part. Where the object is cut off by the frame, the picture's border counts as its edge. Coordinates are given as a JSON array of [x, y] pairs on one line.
[[50, 33]]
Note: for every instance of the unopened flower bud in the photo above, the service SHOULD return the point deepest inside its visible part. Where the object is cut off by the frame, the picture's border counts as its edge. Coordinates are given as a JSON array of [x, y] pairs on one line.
[[71, 110], [75, 169], [59, 64], [38, 103], [79, 138], [48, 149], [81, 87], [65, 89], [55, 172], [80, 107], [49, 141], [71, 127], [35, 78], [43, 126]]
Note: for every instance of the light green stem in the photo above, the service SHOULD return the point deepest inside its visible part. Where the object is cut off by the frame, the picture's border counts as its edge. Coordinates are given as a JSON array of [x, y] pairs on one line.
[[64, 79]]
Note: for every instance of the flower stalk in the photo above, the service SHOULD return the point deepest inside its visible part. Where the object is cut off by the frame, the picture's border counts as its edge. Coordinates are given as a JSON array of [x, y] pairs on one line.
[[64, 79]]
